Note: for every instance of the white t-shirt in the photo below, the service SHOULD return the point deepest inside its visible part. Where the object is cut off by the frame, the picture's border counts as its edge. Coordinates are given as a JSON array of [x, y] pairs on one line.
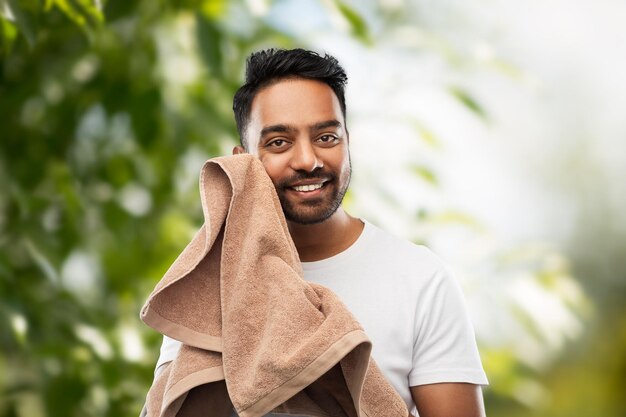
[[410, 306]]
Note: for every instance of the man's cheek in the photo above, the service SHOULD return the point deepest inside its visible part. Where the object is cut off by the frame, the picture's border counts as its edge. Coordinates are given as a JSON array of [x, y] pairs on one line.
[[272, 168]]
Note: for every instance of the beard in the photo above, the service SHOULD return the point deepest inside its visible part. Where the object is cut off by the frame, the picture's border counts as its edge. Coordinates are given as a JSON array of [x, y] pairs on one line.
[[315, 210]]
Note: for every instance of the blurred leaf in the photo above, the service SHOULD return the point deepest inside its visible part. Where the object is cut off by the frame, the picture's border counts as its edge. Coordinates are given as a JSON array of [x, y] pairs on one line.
[[84, 13], [40, 259], [209, 41], [62, 393], [8, 32], [357, 23], [507, 69], [468, 101], [529, 324], [25, 20], [425, 173], [426, 134], [213, 8]]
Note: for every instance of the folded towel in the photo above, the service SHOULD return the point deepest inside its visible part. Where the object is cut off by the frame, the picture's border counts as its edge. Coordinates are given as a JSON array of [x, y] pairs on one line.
[[256, 336]]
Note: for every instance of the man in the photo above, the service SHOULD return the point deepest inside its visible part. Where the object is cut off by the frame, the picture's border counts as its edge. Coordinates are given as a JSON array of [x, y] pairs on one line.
[[290, 113]]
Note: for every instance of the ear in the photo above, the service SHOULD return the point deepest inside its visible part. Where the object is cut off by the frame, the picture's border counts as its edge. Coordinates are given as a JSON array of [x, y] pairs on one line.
[[237, 150]]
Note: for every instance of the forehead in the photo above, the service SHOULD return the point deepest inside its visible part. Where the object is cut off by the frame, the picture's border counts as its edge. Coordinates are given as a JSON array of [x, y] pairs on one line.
[[297, 102]]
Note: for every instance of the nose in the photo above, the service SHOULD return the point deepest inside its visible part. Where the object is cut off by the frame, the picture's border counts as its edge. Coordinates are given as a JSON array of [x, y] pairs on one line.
[[304, 157]]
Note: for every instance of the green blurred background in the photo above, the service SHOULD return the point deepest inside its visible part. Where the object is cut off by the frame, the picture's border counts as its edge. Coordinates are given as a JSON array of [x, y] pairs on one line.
[[491, 131]]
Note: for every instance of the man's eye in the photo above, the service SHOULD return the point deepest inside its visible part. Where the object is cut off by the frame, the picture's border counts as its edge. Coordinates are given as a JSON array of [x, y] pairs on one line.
[[327, 139], [276, 143]]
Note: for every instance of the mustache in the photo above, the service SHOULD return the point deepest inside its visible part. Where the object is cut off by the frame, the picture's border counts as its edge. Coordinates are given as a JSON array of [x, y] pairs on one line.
[[316, 174]]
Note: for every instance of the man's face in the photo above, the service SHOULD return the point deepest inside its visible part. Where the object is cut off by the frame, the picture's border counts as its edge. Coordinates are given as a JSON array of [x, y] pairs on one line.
[[298, 132]]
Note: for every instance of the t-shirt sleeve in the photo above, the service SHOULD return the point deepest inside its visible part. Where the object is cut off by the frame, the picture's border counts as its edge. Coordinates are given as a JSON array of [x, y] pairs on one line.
[[169, 350], [444, 345]]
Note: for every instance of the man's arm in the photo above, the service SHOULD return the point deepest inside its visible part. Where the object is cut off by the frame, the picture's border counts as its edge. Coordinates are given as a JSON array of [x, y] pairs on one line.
[[448, 400]]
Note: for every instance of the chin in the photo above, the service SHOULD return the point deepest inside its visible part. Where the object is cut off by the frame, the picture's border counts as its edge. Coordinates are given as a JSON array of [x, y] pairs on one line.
[[309, 218]]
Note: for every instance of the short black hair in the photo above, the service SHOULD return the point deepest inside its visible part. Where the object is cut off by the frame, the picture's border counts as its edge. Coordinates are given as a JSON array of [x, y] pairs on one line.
[[266, 67]]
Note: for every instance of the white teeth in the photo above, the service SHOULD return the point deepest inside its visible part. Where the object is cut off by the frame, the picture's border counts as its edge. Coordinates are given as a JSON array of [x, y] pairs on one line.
[[309, 187]]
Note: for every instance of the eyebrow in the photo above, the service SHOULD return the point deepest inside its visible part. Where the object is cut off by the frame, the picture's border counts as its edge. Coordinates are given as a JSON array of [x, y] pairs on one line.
[[280, 128], [284, 128], [324, 125]]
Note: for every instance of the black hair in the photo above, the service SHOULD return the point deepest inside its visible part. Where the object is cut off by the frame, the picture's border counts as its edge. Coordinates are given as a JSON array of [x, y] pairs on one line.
[[266, 67]]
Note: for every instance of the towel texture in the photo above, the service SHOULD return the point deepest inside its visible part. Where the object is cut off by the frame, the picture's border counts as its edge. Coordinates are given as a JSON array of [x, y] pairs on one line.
[[256, 336]]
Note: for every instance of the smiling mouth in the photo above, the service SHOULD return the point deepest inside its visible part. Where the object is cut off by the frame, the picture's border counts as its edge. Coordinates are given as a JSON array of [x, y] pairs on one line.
[[308, 187]]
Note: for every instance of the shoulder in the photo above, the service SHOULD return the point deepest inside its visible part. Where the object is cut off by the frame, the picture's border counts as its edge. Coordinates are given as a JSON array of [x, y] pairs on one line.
[[399, 253]]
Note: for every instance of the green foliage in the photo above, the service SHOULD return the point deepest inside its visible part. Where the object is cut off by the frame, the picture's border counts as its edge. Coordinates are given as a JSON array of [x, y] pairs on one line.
[[358, 26], [101, 145], [468, 101], [33, 17], [8, 33]]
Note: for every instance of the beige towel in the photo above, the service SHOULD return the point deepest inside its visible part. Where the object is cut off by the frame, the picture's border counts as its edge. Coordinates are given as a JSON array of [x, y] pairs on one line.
[[255, 335]]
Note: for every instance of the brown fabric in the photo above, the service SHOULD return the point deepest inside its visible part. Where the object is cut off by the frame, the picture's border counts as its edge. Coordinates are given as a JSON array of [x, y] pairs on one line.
[[255, 335]]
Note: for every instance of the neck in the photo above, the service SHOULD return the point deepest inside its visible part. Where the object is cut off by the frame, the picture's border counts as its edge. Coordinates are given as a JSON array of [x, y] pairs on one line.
[[319, 241]]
